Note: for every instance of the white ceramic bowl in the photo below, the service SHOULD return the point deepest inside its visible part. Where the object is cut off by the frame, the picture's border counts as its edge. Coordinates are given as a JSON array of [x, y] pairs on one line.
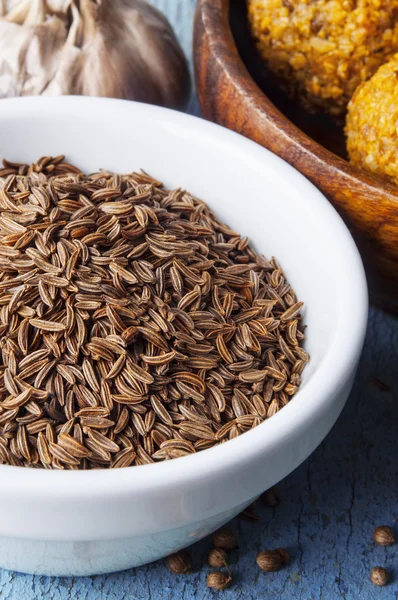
[[81, 523]]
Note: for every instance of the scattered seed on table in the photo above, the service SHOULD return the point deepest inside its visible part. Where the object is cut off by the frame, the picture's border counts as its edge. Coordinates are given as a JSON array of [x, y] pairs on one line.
[[217, 558], [384, 535], [381, 385], [270, 560], [379, 576], [225, 538], [249, 513], [218, 580], [180, 562]]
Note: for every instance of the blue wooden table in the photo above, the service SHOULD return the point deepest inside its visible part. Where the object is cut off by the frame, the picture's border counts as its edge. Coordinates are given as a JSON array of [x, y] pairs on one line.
[[330, 504]]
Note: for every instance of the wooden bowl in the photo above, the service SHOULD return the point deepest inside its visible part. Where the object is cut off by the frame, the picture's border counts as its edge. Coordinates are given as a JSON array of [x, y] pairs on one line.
[[235, 90]]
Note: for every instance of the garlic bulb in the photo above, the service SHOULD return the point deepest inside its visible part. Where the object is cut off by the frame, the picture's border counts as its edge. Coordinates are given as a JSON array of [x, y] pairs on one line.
[[114, 48]]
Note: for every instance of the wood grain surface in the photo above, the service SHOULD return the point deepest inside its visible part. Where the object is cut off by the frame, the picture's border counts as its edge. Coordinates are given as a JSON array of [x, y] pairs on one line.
[[229, 95], [330, 504]]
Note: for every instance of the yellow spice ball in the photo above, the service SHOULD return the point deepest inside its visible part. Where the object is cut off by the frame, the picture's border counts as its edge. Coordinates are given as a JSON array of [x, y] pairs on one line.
[[323, 50], [372, 123]]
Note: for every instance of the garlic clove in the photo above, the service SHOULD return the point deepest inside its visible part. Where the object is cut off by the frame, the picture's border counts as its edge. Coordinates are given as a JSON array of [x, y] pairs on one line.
[[42, 56], [137, 46], [36, 13], [115, 48], [12, 62], [16, 12], [70, 61]]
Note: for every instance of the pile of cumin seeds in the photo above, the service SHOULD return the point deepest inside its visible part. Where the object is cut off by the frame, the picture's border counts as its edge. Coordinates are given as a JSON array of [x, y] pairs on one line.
[[135, 327]]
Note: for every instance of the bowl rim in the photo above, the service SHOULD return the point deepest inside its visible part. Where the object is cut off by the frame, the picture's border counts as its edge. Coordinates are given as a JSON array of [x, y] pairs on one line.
[[318, 391]]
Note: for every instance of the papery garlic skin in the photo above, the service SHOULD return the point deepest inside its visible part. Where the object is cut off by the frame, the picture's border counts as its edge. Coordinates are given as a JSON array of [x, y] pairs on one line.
[[113, 48]]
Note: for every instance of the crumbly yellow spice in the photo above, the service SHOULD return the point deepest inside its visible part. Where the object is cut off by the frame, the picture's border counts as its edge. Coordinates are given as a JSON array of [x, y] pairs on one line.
[[372, 123], [324, 49]]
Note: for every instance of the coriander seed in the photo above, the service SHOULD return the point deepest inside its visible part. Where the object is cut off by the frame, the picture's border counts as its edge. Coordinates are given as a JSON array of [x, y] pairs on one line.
[[180, 562], [217, 557], [272, 497], [225, 538], [379, 576], [269, 560], [384, 535], [218, 580]]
